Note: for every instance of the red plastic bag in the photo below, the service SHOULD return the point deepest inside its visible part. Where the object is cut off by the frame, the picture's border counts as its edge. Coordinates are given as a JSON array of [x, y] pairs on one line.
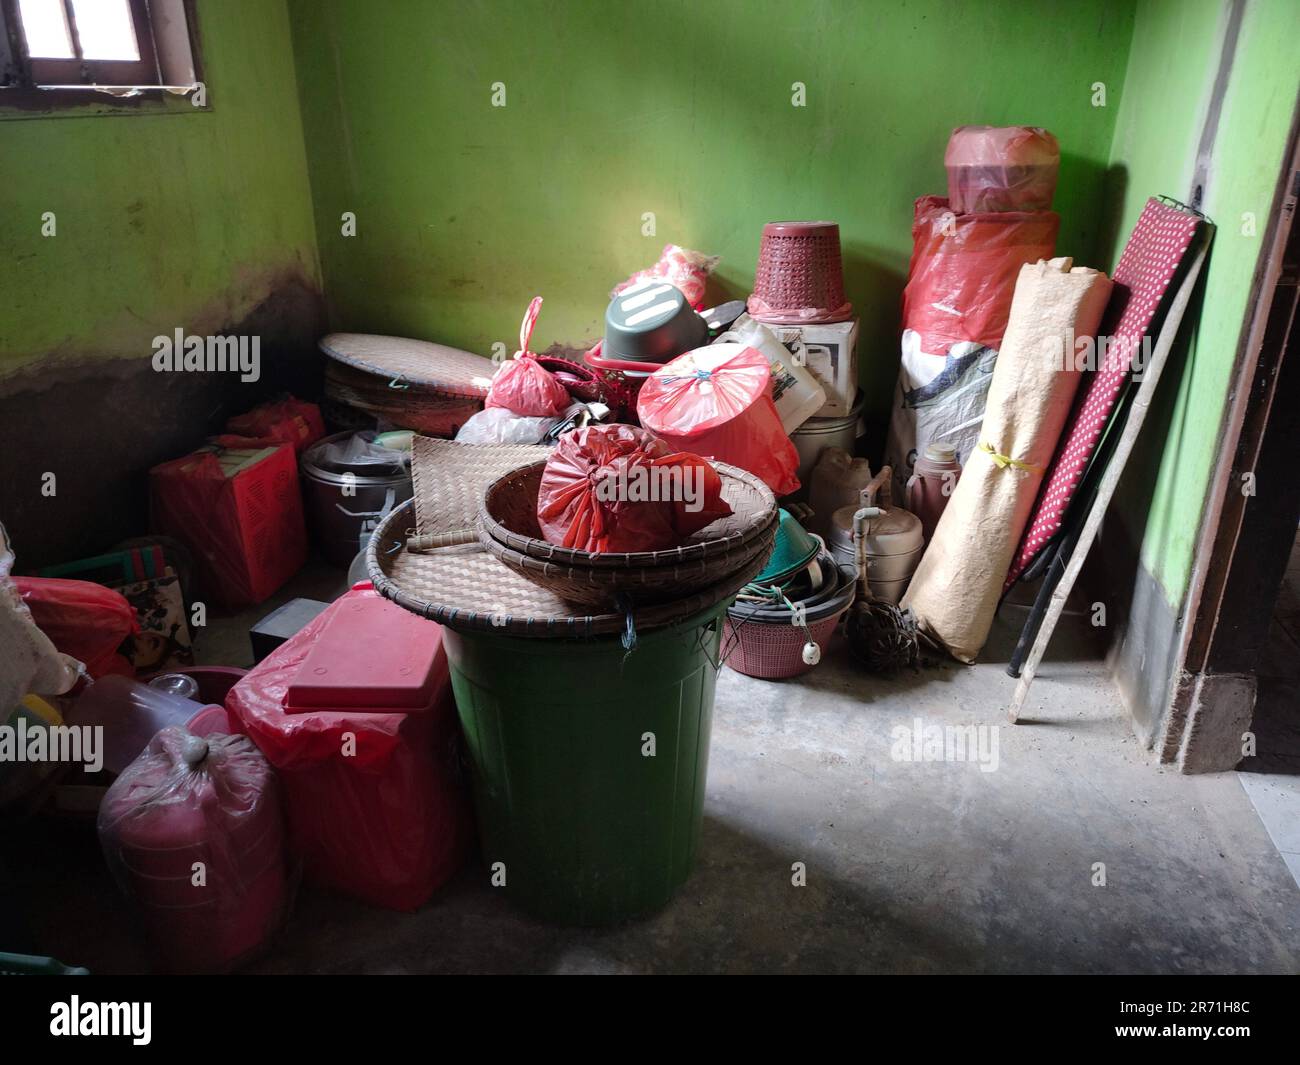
[[523, 385], [617, 488], [189, 804], [717, 402], [375, 802], [1001, 168], [284, 421], [964, 269], [687, 270], [82, 619]]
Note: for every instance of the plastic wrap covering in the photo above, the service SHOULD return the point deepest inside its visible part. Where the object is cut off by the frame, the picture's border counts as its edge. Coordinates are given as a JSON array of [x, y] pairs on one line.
[[955, 308], [1001, 168], [194, 834], [617, 488], [82, 619], [375, 801], [282, 421], [686, 270], [496, 425], [240, 514], [717, 402], [955, 590]]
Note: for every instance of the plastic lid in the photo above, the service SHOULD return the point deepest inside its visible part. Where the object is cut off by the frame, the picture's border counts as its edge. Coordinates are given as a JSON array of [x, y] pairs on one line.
[[938, 452], [371, 656]]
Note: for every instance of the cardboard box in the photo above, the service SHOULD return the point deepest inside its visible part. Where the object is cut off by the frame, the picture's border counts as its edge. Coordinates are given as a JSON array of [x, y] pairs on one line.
[[831, 353]]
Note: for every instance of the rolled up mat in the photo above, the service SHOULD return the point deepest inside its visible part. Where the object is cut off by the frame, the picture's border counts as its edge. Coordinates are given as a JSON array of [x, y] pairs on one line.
[[955, 590]]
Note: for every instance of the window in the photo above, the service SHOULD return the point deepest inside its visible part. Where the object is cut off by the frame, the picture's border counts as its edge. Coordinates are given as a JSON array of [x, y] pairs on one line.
[[57, 47]]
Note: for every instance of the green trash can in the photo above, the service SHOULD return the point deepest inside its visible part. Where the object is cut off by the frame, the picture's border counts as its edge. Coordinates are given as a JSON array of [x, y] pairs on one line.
[[589, 763]]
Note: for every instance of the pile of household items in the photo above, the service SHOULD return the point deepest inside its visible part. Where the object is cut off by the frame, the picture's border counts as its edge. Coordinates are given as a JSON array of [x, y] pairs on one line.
[[551, 557]]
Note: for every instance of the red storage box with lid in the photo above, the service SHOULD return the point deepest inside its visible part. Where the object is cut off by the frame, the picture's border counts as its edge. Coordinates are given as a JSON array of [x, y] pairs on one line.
[[239, 510], [356, 714]]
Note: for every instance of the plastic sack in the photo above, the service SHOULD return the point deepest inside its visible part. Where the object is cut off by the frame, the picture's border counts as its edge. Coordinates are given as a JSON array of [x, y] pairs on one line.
[[955, 308], [798, 395], [1001, 168], [283, 421], [29, 661], [358, 449], [375, 802], [717, 402], [496, 425], [82, 619], [617, 488], [687, 270], [194, 835], [523, 385]]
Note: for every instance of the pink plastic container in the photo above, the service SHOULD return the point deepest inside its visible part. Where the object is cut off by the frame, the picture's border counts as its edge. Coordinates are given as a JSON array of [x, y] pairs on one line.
[[193, 833]]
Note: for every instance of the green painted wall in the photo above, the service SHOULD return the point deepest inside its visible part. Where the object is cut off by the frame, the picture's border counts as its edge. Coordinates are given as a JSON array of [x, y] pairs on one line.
[[1175, 56], [465, 211], [187, 218]]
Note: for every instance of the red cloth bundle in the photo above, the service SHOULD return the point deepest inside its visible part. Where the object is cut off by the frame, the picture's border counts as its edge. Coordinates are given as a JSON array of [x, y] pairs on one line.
[[617, 488]]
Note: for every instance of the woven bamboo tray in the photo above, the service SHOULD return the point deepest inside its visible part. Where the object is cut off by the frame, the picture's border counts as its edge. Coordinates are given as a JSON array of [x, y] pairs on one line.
[[449, 480], [605, 587], [465, 588], [418, 407], [508, 515]]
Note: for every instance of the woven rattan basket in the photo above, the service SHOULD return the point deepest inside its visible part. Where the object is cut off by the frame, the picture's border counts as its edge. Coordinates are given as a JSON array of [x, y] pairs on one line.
[[466, 588], [508, 515], [740, 542], [426, 557]]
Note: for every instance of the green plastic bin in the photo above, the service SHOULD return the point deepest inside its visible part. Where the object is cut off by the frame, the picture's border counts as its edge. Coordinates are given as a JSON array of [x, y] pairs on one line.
[[588, 829]]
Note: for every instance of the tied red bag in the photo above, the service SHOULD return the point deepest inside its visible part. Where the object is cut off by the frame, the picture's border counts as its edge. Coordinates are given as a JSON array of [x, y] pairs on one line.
[[617, 488], [284, 421], [717, 401], [523, 385], [191, 803], [82, 619]]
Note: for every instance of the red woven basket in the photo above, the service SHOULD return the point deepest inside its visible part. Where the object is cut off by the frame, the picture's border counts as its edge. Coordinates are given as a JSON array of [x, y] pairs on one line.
[[800, 274], [773, 651]]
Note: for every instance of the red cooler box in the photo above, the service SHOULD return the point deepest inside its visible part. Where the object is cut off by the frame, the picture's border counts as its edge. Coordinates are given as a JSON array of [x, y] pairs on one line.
[[239, 510], [356, 713]]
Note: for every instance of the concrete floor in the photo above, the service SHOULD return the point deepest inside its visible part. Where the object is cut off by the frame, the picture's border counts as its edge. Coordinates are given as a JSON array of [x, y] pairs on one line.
[[911, 867]]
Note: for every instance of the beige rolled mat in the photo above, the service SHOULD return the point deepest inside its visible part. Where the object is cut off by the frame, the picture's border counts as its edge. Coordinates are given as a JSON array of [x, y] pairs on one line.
[[954, 592]]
